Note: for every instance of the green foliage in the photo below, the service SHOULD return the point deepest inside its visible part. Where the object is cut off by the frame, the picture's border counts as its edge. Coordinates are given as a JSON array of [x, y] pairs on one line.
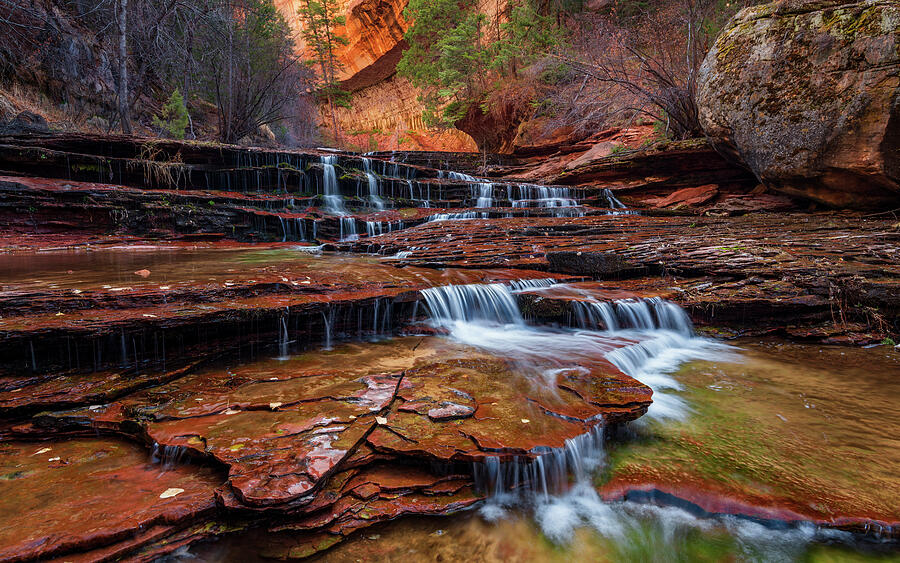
[[556, 74], [173, 119], [888, 341], [618, 149], [660, 129], [455, 59], [320, 19], [526, 35]]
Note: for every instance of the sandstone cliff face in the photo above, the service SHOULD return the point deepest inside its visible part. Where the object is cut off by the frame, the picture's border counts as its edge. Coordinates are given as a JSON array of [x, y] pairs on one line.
[[805, 93], [385, 105]]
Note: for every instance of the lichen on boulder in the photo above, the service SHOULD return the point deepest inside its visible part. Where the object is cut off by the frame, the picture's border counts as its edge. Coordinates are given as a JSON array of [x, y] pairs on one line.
[[807, 95]]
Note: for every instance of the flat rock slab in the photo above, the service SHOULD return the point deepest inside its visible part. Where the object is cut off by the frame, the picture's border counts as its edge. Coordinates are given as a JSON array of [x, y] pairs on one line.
[[58, 497], [283, 431]]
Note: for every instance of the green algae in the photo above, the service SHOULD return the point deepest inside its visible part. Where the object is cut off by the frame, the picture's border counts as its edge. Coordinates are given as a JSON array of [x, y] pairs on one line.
[[782, 433]]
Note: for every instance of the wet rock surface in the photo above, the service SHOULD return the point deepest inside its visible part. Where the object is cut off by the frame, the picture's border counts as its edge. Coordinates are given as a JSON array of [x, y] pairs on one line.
[[237, 338], [316, 446]]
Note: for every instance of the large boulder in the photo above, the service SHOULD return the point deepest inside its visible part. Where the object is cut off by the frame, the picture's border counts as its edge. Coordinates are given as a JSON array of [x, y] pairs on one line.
[[805, 93]]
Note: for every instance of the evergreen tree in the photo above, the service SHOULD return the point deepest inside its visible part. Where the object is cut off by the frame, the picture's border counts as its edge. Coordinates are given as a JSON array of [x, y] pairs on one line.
[[320, 21], [456, 56], [173, 119]]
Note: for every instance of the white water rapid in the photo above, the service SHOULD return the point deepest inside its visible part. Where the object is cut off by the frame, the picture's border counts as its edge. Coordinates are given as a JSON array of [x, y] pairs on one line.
[[647, 339]]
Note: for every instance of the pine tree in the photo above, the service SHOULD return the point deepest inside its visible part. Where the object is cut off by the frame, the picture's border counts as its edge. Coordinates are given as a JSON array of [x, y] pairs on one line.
[[319, 33], [173, 119]]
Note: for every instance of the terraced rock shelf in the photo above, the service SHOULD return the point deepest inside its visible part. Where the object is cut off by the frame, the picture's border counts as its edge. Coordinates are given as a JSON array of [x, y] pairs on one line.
[[247, 353]]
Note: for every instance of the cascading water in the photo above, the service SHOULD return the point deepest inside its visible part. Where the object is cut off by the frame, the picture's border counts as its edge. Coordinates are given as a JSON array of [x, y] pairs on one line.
[[374, 185], [348, 229], [641, 314], [525, 285], [485, 193], [374, 228], [650, 338], [457, 216], [333, 201], [614, 203], [450, 304]]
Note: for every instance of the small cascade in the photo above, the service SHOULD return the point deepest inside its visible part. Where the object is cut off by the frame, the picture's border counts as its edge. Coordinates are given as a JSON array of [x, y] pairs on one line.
[[333, 201], [374, 228], [168, 457], [328, 321], [471, 303], [550, 472], [639, 314], [484, 191], [457, 216], [382, 317], [524, 285], [283, 339], [348, 229], [292, 228], [415, 194], [533, 195], [614, 203], [374, 185]]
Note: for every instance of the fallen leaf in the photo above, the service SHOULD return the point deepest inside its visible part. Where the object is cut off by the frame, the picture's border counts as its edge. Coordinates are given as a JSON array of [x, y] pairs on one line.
[[381, 420], [231, 411], [41, 451], [54, 459], [274, 406], [525, 421], [173, 492], [143, 273]]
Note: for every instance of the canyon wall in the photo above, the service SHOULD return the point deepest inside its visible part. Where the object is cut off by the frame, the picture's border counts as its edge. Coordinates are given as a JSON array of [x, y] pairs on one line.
[[386, 113]]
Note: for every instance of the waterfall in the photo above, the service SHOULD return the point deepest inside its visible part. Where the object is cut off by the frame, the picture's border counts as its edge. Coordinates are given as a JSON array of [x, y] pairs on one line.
[[333, 201], [614, 203], [348, 229], [641, 314], [524, 285], [328, 321], [485, 193], [169, 457], [457, 216], [292, 229], [374, 186], [374, 228], [476, 302], [283, 341], [546, 474], [533, 195]]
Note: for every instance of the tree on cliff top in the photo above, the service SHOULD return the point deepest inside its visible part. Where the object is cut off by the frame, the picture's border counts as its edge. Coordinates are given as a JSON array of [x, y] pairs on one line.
[[320, 22]]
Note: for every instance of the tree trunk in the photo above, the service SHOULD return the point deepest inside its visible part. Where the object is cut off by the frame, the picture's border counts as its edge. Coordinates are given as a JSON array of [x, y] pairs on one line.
[[122, 94]]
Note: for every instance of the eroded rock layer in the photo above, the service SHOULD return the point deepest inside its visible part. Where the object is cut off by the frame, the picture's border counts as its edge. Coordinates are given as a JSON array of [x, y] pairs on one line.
[[236, 338]]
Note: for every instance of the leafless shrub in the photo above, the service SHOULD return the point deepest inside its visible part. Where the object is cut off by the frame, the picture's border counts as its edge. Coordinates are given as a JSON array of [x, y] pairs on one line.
[[648, 65]]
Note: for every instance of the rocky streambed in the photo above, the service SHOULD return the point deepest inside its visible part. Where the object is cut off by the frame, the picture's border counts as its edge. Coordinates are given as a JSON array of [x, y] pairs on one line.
[[216, 353]]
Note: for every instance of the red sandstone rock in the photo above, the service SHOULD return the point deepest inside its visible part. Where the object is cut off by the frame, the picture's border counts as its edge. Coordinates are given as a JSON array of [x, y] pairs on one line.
[[687, 197]]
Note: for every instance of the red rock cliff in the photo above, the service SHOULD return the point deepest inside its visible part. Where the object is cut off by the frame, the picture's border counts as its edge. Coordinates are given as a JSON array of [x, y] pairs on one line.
[[386, 113]]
